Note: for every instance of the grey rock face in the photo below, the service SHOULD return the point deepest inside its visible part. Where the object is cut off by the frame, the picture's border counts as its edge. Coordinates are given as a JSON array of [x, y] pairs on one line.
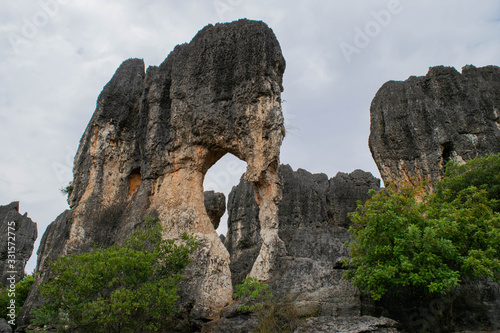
[[51, 246], [348, 325], [22, 240], [313, 229], [155, 133], [240, 324], [418, 125], [215, 204], [4, 326]]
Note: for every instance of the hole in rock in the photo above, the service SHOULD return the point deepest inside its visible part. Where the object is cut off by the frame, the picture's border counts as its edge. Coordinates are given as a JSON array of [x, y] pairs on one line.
[[221, 177], [134, 181], [446, 152]]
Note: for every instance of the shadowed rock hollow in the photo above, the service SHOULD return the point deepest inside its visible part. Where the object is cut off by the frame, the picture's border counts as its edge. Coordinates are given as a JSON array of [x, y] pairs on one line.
[[418, 125], [155, 133]]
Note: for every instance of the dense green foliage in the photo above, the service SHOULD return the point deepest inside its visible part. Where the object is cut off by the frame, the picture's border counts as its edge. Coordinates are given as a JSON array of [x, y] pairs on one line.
[[21, 293], [123, 288], [429, 242], [483, 173]]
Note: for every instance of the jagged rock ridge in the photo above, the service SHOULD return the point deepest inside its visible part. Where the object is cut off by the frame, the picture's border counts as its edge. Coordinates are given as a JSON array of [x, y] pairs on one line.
[[418, 125], [314, 231], [22, 239], [153, 136]]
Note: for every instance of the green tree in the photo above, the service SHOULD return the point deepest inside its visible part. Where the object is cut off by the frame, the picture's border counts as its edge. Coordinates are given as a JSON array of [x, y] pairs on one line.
[[123, 288], [429, 242], [402, 239], [483, 173]]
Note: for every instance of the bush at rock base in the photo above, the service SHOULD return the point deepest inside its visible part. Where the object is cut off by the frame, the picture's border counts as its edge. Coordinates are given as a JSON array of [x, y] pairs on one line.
[[273, 315], [430, 243], [123, 288]]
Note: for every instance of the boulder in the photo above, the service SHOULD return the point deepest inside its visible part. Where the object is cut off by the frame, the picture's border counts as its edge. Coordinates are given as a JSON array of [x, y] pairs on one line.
[[215, 204], [4, 326], [418, 125]]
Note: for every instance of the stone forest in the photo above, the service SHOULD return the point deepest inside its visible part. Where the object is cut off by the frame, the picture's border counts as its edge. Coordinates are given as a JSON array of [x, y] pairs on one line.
[[156, 132]]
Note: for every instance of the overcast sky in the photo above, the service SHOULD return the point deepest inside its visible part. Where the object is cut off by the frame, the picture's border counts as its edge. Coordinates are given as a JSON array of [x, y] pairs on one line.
[[56, 56]]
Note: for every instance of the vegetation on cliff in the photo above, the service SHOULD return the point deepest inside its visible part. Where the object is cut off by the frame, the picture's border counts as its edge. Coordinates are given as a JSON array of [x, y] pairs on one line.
[[123, 288]]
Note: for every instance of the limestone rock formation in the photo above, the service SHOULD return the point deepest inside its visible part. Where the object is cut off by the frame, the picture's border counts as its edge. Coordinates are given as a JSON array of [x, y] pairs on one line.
[[215, 204], [21, 239], [4, 326], [155, 133], [418, 125], [312, 224], [51, 246]]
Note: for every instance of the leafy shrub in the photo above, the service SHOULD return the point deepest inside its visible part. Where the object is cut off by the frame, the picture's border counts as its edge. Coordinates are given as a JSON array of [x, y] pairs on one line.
[[273, 316], [124, 288], [253, 293], [21, 293], [429, 242], [483, 173], [67, 190]]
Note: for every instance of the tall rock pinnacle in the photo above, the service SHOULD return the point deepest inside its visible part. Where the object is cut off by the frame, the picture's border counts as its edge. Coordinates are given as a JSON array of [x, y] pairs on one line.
[[154, 135], [417, 126]]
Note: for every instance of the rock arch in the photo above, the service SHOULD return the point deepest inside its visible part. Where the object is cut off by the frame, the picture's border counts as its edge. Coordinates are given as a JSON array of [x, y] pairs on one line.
[[218, 94]]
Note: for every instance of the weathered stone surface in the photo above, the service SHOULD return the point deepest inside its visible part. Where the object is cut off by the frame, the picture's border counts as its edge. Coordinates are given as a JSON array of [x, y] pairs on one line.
[[4, 326], [222, 238], [420, 124], [348, 325], [313, 229], [240, 324], [215, 204], [51, 246], [21, 239], [155, 134]]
